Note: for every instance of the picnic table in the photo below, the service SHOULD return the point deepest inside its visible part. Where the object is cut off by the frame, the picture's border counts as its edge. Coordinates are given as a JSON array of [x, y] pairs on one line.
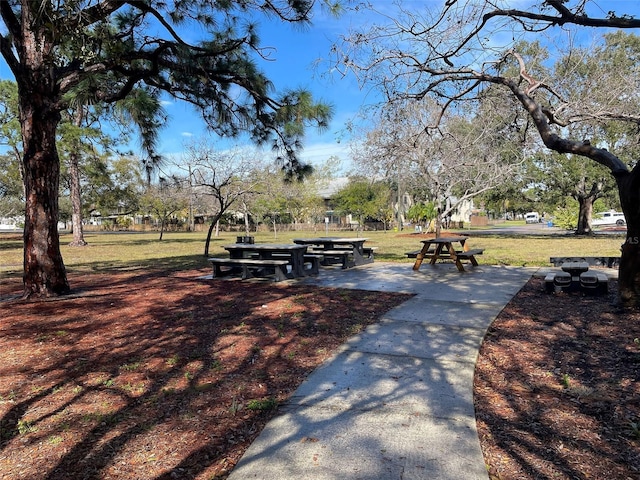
[[443, 249], [575, 275], [256, 259], [349, 251]]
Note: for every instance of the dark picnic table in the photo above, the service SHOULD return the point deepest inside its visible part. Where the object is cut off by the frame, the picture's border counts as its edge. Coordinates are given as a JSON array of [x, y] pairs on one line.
[[348, 250], [294, 254]]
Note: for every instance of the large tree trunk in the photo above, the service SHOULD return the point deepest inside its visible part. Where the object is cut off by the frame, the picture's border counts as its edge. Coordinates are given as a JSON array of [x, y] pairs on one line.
[[585, 212], [629, 272], [44, 271]]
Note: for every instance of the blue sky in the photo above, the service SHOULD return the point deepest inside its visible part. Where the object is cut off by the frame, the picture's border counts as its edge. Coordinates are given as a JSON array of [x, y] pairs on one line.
[[295, 64], [295, 53]]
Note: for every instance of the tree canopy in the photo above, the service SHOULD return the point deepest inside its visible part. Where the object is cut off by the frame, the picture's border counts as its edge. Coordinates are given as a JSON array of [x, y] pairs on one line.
[[102, 51], [455, 53]]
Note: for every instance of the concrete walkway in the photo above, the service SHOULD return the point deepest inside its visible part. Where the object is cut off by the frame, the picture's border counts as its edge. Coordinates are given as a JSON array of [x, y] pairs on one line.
[[395, 402]]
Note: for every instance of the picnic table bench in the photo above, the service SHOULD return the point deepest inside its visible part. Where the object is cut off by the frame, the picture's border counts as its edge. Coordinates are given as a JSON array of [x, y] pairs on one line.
[[346, 251], [250, 266], [260, 259], [466, 254]]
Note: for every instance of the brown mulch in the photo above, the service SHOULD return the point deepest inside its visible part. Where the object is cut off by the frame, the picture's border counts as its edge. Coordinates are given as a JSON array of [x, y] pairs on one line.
[[156, 375], [556, 388], [169, 375]]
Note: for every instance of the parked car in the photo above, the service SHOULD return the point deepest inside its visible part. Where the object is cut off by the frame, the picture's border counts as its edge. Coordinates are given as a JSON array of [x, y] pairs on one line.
[[608, 218], [532, 217]]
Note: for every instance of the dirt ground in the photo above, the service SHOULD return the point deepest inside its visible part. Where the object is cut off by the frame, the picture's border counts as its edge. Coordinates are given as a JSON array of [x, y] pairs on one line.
[[556, 388], [161, 375], [158, 376]]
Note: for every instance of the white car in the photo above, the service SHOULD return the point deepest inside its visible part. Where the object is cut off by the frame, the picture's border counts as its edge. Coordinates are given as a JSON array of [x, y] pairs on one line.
[[532, 217], [609, 218]]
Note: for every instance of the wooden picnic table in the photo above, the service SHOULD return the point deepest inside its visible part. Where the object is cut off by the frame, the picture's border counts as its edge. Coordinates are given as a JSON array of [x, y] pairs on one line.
[[444, 250], [348, 250]]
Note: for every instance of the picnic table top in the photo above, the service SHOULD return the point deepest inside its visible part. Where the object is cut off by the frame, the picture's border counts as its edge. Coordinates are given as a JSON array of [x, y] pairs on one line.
[[445, 239], [330, 240], [575, 266], [264, 246]]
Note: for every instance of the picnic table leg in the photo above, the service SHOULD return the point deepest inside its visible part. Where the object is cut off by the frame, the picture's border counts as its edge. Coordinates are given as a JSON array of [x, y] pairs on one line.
[[454, 255], [217, 272], [358, 257], [420, 256], [436, 254], [280, 273]]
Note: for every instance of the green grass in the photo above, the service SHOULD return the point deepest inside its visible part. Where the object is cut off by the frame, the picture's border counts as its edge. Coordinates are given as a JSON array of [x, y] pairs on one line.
[[181, 251]]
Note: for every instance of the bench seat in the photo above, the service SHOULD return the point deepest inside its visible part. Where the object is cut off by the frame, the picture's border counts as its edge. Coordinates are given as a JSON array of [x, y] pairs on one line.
[[415, 253], [445, 254], [330, 257], [249, 266], [590, 281], [594, 281], [470, 253]]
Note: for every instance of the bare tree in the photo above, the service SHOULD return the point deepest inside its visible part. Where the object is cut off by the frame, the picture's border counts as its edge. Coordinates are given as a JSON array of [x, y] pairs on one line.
[[455, 53], [222, 176], [165, 200], [462, 159]]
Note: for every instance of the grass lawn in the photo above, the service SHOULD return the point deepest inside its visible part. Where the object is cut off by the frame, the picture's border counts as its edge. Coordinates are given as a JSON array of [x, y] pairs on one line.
[[179, 251]]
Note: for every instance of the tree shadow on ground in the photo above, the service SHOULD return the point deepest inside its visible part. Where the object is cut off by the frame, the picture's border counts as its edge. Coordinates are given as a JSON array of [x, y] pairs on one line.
[[158, 375], [556, 387]]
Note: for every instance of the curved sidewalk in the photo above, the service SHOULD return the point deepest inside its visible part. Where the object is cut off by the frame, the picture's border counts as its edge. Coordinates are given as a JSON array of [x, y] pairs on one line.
[[396, 401]]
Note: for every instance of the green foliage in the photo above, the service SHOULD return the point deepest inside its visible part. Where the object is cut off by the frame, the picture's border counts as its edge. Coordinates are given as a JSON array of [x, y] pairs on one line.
[[115, 185], [363, 200], [11, 191], [566, 217], [422, 212], [10, 134], [277, 199], [262, 405], [164, 201], [102, 59]]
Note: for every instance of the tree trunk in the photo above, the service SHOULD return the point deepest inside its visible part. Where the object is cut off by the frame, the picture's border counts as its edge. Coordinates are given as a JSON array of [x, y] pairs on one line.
[[246, 222], [162, 223], [438, 226], [585, 212], [629, 272], [44, 271], [213, 225], [76, 202]]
